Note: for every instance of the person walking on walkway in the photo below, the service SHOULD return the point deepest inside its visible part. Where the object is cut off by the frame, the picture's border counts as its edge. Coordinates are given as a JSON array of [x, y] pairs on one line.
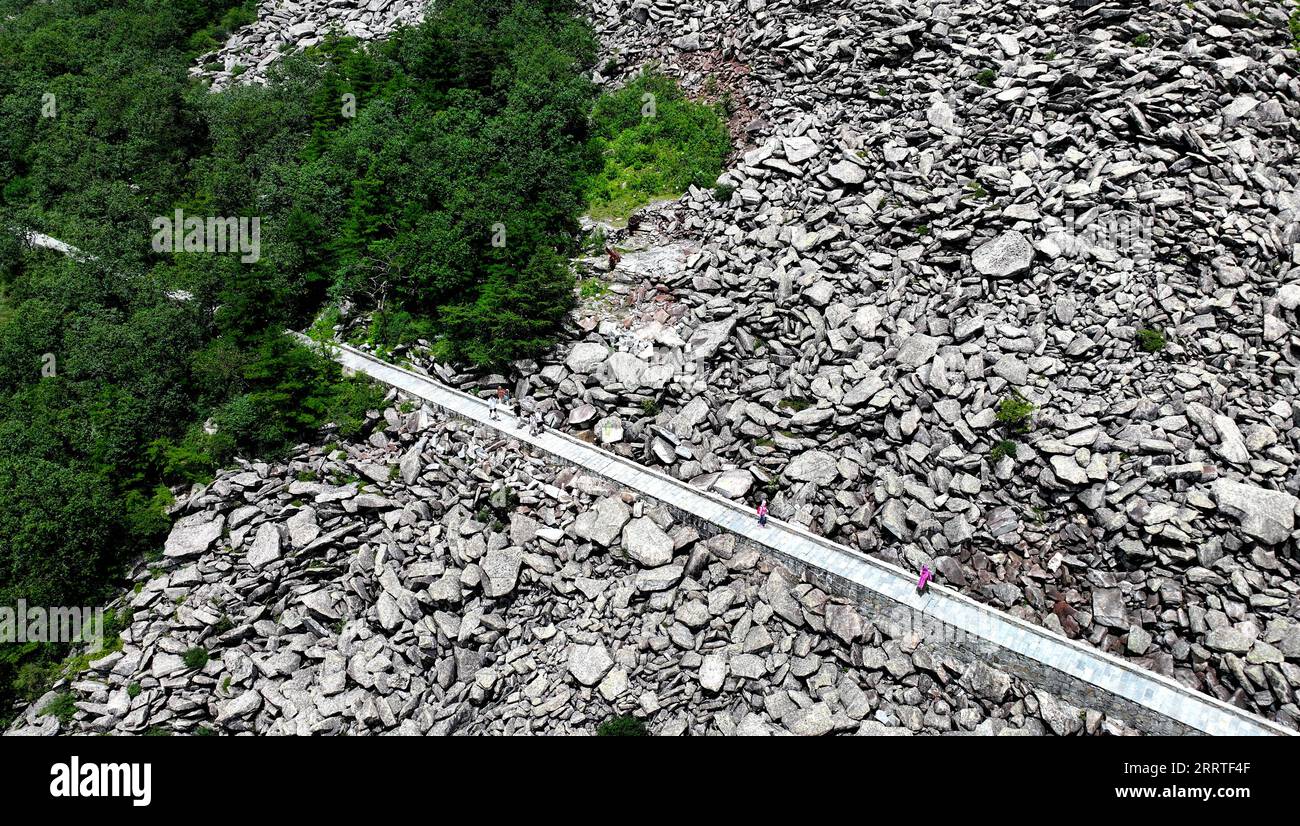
[[924, 580], [492, 408], [762, 514]]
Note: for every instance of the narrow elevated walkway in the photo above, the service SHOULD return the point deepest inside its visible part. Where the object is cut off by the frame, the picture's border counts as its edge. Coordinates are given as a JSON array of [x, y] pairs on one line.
[[1072, 669]]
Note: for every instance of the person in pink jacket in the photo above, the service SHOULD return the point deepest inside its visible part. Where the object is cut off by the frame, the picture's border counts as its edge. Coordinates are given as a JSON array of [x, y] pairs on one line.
[[924, 580], [762, 514]]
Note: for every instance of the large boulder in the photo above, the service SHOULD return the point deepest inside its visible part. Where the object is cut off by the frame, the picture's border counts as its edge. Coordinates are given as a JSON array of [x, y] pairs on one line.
[[1108, 608], [589, 663], [733, 484], [987, 682], [707, 338], [501, 571], [1006, 255], [604, 523], [625, 369], [816, 466], [1267, 515], [193, 534], [586, 356], [266, 546], [646, 543]]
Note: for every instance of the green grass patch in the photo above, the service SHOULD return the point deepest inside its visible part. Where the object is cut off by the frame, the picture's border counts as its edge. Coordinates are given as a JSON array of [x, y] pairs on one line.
[[986, 77], [63, 706], [196, 658], [655, 144], [1151, 340], [1005, 449], [1015, 412], [623, 726], [322, 330], [593, 288]]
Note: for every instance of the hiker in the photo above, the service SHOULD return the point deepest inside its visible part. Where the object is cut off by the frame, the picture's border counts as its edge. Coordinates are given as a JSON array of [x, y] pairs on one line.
[[537, 422], [924, 580], [492, 408], [762, 514]]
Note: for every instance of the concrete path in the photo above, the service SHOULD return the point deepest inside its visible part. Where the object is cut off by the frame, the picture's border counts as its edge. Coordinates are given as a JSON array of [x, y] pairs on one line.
[[1153, 692]]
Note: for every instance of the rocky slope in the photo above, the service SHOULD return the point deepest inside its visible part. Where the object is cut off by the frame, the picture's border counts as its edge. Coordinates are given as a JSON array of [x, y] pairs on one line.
[[436, 579], [287, 26], [939, 206], [936, 206]]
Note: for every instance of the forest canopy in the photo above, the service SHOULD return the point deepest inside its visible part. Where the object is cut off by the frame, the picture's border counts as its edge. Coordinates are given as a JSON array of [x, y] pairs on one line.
[[128, 370], [434, 181]]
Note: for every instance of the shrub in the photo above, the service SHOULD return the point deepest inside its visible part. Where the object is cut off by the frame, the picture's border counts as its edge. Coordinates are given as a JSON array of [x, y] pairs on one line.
[[646, 156], [593, 288], [1004, 449], [650, 407], [623, 726], [196, 658], [63, 706], [986, 77], [133, 690], [1151, 340], [722, 193], [1014, 412], [1143, 39]]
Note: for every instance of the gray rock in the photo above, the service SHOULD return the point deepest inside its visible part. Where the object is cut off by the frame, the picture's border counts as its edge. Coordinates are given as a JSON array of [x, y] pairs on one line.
[[1006, 255], [586, 356], [814, 721], [815, 466], [847, 172], [1108, 608], [713, 672], [611, 514], [266, 546], [589, 663], [1267, 515], [501, 569], [193, 534], [1229, 639], [987, 682], [646, 543]]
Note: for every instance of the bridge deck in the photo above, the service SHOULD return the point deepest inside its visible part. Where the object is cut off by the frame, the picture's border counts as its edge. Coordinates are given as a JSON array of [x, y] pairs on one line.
[[1158, 694]]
